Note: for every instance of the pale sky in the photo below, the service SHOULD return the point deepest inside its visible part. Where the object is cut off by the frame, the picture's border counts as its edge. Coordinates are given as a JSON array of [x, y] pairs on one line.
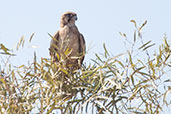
[[100, 21]]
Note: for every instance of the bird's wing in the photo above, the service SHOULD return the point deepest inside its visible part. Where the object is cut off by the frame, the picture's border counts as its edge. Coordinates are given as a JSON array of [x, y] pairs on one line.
[[54, 47], [82, 48]]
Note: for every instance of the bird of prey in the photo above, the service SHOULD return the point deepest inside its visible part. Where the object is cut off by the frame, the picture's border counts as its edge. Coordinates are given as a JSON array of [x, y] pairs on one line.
[[68, 45]]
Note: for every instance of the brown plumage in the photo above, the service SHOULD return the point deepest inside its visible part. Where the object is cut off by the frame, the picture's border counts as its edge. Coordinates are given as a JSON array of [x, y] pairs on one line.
[[68, 44]]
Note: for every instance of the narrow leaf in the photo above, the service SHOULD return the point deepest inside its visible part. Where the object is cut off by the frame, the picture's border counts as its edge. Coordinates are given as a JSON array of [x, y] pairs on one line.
[[122, 34], [144, 44], [98, 57], [143, 25], [50, 35], [133, 21], [148, 46], [135, 36], [106, 52], [31, 37]]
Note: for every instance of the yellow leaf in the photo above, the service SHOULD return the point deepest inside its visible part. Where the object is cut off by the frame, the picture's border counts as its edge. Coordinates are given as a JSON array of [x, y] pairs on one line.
[[142, 25], [2, 80], [133, 21], [63, 70]]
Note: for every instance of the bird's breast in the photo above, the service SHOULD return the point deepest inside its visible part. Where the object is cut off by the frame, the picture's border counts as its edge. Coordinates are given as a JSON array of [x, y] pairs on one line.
[[67, 32], [69, 39]]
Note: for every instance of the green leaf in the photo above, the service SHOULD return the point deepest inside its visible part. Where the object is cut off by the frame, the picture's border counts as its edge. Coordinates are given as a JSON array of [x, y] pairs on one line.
[[148, 46], [50, 35], [106, 52], [121, 63], [31, 37], [98, 58], [144, 45]]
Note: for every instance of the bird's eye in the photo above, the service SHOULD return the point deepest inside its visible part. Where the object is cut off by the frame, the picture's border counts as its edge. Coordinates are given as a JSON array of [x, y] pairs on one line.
[[69, 15]]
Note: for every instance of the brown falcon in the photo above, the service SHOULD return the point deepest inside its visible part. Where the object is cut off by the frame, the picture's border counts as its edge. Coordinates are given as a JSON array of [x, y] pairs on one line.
[[68, 44]]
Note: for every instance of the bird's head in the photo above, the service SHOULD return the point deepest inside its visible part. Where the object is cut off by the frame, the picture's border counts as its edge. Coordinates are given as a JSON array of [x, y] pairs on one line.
[[68, 18]]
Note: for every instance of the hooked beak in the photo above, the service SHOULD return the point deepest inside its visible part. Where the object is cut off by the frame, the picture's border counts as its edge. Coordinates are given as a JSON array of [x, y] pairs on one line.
[[75, 17]]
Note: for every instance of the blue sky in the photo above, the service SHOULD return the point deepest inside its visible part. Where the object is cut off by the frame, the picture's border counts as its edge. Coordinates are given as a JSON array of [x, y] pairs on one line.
[[100, 21]]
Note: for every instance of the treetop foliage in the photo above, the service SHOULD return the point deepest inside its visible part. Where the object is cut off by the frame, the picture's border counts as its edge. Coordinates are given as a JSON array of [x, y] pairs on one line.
[[137, 81]]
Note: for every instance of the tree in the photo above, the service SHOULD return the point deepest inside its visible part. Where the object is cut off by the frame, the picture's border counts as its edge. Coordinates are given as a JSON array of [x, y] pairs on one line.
[[136, 81]]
